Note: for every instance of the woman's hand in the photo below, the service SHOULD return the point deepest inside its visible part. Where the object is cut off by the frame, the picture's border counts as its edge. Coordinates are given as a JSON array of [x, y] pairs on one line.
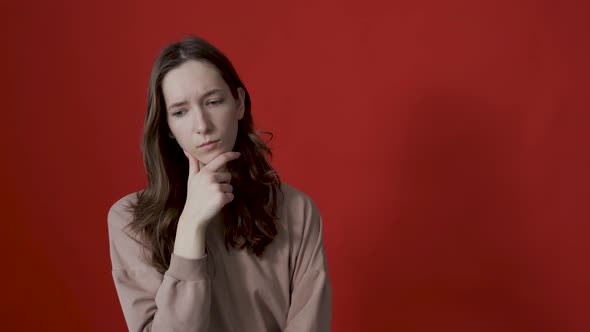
[[208, 191]]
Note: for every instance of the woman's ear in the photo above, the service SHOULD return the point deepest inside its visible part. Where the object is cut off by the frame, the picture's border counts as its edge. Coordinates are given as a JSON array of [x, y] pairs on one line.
[[170, 135], [242, 103]]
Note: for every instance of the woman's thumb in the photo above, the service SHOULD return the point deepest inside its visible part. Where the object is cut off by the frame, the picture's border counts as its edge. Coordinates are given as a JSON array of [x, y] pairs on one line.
[[193, 163]]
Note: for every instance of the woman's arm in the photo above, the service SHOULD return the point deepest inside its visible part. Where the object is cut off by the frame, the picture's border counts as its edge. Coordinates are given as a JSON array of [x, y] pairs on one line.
[[178, 300], [311, 293]]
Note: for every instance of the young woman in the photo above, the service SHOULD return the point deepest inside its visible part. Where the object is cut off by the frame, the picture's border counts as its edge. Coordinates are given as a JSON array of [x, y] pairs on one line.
[[216, 242]]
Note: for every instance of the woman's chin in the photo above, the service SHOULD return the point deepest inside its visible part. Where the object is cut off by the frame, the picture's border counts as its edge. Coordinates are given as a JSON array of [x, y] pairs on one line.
[[208, 157]]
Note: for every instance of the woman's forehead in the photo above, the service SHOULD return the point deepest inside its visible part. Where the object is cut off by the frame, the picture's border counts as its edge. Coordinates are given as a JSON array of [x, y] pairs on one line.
[[192, 79]]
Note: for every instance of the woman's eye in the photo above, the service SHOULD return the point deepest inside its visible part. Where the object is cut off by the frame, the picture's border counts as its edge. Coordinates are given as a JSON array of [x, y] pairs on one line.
[[215, 102], [180, 112]]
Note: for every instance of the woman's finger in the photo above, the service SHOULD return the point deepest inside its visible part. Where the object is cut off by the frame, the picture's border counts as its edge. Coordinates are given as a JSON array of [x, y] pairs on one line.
[[222, 177], [226, 188], [193, 164], [221, 160]]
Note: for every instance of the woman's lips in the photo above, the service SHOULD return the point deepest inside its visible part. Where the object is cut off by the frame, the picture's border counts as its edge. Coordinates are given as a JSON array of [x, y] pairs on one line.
[[208, 146]]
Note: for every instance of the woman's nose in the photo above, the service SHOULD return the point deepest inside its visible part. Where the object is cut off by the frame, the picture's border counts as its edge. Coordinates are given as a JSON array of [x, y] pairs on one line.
[[201, 123]]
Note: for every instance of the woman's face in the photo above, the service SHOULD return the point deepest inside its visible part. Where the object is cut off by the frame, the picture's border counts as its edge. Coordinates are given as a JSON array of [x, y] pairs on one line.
[[200, 109]]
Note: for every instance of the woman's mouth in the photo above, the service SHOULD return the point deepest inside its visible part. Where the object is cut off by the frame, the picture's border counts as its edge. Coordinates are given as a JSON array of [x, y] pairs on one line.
[[208, 145]]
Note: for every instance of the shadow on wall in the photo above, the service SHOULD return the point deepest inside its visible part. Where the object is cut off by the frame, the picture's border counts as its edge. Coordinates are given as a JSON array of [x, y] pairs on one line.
[[455, 250]]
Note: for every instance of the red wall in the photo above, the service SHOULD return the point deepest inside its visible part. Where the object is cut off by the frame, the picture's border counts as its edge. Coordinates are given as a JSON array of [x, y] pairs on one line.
[[445, 142]]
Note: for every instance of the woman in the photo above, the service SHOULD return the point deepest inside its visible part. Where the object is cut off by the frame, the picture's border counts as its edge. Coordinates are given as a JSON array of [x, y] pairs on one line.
[[215, 242]]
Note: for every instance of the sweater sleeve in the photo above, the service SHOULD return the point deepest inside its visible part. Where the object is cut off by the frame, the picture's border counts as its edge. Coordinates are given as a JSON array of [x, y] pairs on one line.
[[178, 300], [311, 292]]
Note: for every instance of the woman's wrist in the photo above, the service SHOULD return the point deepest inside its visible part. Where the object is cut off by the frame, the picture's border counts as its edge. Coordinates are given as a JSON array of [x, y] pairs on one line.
[[189, 241]]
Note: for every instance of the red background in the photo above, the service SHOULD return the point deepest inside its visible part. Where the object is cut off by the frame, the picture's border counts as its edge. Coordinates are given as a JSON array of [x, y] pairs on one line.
[[445, 143]]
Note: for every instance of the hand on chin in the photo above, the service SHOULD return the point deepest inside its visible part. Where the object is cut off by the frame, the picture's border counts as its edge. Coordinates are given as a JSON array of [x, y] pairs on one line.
[[211, 156]]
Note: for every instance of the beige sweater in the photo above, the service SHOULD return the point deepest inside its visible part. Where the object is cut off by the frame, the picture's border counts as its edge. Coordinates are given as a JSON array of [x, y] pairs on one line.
[[287, 289]]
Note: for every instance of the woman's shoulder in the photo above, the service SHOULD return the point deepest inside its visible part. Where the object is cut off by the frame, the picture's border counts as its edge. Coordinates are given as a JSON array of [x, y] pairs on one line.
[[297, 204], [294, 195], [301, 221], [121, 213], [126, 247]]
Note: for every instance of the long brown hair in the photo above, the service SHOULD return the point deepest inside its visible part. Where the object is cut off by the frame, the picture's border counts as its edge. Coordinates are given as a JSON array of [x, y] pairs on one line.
[[253, 212]]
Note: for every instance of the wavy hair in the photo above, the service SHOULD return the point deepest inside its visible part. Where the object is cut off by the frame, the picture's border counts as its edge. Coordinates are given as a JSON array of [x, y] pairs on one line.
[[250, 221]]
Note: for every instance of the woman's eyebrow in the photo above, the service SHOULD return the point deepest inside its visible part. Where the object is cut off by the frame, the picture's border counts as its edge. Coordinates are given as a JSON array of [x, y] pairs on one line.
[[177, 104], [210, 92]]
